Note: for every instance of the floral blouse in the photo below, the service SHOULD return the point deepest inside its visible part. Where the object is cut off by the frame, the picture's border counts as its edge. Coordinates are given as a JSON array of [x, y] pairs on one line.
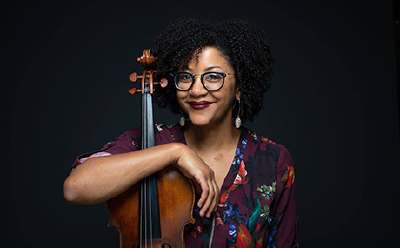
[[257, 205]]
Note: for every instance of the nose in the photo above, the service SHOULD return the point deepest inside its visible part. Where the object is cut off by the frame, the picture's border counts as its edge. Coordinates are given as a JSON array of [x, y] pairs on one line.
[[197, 87]]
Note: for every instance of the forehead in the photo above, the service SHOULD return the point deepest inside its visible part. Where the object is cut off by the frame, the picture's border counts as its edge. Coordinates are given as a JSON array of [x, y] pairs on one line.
[[208, 57]]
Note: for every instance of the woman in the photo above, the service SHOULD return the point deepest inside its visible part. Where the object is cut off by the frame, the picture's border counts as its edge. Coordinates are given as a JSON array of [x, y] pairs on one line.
[[216, 73]]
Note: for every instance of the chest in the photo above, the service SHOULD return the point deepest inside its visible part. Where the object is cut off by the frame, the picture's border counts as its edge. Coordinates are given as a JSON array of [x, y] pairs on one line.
[[220, 163]]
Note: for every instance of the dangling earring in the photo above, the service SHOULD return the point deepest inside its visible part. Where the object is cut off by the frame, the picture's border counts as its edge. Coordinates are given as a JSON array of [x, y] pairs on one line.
[[182, 119], [238, 121]]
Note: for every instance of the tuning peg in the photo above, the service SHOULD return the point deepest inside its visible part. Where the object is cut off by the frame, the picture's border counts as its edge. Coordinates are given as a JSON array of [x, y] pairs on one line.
[[163, 82], [133, 77], [133, 91]]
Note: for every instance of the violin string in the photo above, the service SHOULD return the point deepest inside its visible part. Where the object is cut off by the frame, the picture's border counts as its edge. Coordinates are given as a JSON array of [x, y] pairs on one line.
[[147, 180], [151, 192], [145, 216], [150, 216], [141, 215], [143, 188], [149, 231]]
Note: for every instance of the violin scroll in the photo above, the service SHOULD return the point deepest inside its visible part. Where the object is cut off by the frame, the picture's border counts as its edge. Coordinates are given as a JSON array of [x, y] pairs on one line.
[[149, 62], [147, 59]]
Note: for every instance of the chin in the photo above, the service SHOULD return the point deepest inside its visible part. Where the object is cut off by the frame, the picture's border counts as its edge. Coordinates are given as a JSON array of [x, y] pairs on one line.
[[202, 122], [199, 123]]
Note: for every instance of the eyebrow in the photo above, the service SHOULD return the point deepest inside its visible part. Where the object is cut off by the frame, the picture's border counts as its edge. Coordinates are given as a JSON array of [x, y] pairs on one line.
[[207, 69]]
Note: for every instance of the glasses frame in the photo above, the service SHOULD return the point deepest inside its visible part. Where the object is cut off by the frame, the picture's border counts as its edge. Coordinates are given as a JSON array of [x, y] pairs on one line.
[[223, 74]]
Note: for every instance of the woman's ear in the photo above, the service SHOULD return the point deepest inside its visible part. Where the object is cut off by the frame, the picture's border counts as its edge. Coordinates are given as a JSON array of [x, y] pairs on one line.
[[238, 93]]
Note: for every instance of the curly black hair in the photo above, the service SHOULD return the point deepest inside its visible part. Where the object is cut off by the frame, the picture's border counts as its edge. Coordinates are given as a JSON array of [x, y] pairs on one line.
[[243, 44]]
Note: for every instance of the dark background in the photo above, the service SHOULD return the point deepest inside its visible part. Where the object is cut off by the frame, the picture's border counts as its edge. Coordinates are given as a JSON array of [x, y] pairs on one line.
[[333, 104]]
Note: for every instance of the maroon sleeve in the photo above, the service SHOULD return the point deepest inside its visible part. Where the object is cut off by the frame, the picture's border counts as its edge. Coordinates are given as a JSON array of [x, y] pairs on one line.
[[126, 142], [286, 228]]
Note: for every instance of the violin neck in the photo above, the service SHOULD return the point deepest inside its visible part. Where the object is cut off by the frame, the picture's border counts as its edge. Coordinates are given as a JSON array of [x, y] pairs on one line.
[[147, 122], [149, 210]]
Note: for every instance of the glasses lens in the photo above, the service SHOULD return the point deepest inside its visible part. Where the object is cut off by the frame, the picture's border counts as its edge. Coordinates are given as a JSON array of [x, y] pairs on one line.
[[213, 80], [183, 80]]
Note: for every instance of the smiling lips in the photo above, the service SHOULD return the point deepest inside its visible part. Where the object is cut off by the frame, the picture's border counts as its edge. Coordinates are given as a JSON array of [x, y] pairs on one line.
[[199, 105]]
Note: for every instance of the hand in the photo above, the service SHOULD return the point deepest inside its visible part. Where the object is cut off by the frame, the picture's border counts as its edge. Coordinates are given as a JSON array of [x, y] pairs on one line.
[[203, 178]]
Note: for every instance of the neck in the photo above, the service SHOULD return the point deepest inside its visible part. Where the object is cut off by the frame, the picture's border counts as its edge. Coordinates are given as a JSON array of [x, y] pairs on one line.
[[204, 138]]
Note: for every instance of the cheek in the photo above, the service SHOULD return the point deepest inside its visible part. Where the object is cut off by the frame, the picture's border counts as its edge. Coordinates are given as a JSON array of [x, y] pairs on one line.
[[180, 95], [232, 94]]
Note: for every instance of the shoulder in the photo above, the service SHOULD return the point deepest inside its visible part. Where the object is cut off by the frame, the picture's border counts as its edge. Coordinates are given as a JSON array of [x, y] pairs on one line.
[[163, 134], [159, 129], [133, 133], [259, 140], [275, 151], [273, 159], [170, 133]]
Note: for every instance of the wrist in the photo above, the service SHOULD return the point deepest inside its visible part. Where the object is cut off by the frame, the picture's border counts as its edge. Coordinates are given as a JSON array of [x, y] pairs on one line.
[[177, 150]]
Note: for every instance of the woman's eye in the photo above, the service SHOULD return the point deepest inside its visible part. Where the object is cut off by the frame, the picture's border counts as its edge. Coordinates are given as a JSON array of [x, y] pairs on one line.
[[213, 77], [185, 78]]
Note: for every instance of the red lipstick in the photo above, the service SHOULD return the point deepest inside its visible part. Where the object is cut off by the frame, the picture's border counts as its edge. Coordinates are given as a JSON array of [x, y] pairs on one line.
[[199, 105]]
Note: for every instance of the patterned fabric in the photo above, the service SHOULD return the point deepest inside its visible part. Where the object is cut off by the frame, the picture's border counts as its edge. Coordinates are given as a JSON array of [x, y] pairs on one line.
[[257, 206]]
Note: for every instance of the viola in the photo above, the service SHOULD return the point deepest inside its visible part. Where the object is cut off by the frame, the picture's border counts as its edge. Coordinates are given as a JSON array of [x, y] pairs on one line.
[[153, 212]]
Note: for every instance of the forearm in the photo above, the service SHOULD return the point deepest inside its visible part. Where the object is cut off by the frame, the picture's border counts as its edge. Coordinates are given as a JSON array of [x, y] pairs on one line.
[[101, 178]]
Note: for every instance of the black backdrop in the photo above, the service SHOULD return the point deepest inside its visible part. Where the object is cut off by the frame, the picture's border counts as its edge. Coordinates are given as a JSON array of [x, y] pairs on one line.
[[333, 104]]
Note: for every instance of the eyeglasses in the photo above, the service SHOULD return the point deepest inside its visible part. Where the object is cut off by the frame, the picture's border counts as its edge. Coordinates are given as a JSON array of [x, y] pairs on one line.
[[211, 81]]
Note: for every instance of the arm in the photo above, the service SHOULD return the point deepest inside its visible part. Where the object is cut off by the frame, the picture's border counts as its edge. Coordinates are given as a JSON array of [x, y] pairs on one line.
[[101, 178], [283, 229]]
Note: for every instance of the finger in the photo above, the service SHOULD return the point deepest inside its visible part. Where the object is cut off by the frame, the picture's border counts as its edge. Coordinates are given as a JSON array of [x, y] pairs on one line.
[[196, 186], [206, 195], [204, 189], [214, 203], [208, 207], [216, 197], [205, 211]]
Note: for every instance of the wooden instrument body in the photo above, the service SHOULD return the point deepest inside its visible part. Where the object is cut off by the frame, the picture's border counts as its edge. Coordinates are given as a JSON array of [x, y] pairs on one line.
[[175, 210]]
